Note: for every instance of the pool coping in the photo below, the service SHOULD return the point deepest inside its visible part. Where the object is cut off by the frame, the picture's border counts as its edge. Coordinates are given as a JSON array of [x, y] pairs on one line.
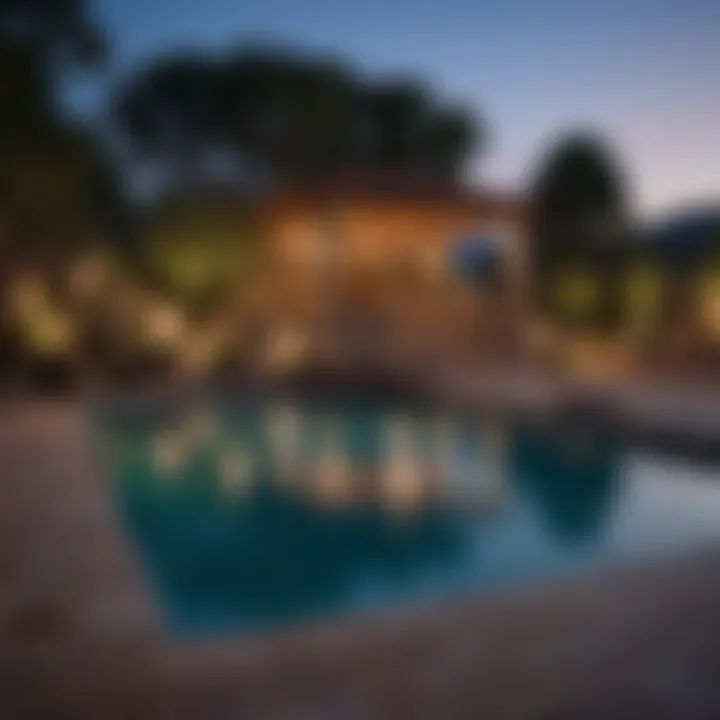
[[683, 418]]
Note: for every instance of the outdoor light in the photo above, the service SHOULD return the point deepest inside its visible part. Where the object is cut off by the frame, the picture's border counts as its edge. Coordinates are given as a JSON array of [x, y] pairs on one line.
[[710, 301], [48, 329], [165, 324]]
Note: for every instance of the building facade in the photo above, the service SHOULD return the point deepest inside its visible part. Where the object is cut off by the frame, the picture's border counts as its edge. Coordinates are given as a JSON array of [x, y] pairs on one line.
[[343, 257]]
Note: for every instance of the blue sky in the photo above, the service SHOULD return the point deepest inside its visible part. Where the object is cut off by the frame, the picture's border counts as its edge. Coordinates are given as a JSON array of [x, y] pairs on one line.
[[643, 72]]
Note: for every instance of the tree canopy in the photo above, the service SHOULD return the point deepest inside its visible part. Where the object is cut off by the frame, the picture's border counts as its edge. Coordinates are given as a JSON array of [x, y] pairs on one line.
[[39, 41], [579, 200], [54, 176], [579, 229], [273, 115]]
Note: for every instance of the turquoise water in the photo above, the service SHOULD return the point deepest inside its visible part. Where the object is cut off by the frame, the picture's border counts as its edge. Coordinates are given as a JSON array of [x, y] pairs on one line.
[[262, 516]]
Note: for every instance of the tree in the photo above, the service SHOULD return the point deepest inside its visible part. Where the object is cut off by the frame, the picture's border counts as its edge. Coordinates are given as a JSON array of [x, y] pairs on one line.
[[579, 222], [287, 115], [50, 169], [412, 133], [54, 180], [579, 198], [172, 112], [197, 249], [58, 194], [270, 114], [39, 41]]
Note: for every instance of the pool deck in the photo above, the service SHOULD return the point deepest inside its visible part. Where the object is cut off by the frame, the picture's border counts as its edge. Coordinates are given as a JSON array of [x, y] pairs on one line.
[[681, 415], [80, 636]]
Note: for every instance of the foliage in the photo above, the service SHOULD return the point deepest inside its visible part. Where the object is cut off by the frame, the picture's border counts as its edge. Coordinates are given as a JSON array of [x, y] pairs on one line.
[[579, 231], [43, 325], [58, 194], [275, 115], [708, 287], [644, 285], [578, 292], [39, 40], [54, 180], [578, 199], [198, 249]]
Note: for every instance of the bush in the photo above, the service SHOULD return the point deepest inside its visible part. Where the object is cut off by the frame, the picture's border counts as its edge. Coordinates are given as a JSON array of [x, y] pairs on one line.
[[197, 251]]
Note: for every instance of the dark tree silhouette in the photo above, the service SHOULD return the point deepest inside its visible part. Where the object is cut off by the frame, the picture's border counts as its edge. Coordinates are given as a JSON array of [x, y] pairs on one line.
[[278, 116], [40, 40], [172, 112], [579, 198], [53, 175], [57, 186], [580, 212]]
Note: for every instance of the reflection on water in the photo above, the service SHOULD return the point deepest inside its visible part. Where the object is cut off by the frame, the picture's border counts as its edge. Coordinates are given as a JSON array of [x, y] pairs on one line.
[[284, 427], [573, 480], [403, 475], [235, 470], [267, 515], [334, 481]]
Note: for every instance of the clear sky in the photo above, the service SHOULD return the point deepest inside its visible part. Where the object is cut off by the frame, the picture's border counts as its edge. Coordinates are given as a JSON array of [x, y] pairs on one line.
[[645, 73]]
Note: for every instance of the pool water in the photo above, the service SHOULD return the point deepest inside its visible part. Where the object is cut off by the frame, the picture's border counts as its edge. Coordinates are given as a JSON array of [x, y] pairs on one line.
[[261, 516]]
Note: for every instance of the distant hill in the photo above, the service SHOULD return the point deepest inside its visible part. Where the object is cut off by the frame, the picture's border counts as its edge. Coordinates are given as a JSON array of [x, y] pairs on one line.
[[687, 234]]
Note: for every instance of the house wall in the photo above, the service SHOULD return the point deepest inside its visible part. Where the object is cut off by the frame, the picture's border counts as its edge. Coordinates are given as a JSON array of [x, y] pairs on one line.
[[309, 244]]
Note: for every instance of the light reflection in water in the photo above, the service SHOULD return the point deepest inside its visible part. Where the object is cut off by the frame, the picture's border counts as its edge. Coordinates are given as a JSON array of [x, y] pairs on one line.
[[402, 475], [332, 477], [235, 470], [488, 486], [202, 428], [284, 428], [445, 452], [169, 453], [242, 536]]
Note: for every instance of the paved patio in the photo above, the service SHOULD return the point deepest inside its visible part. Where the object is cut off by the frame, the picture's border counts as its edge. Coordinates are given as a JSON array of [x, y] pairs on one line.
[[80, 636]]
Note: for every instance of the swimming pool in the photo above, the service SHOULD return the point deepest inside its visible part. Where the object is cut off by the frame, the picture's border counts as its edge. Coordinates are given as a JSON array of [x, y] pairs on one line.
[[262, 515]]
